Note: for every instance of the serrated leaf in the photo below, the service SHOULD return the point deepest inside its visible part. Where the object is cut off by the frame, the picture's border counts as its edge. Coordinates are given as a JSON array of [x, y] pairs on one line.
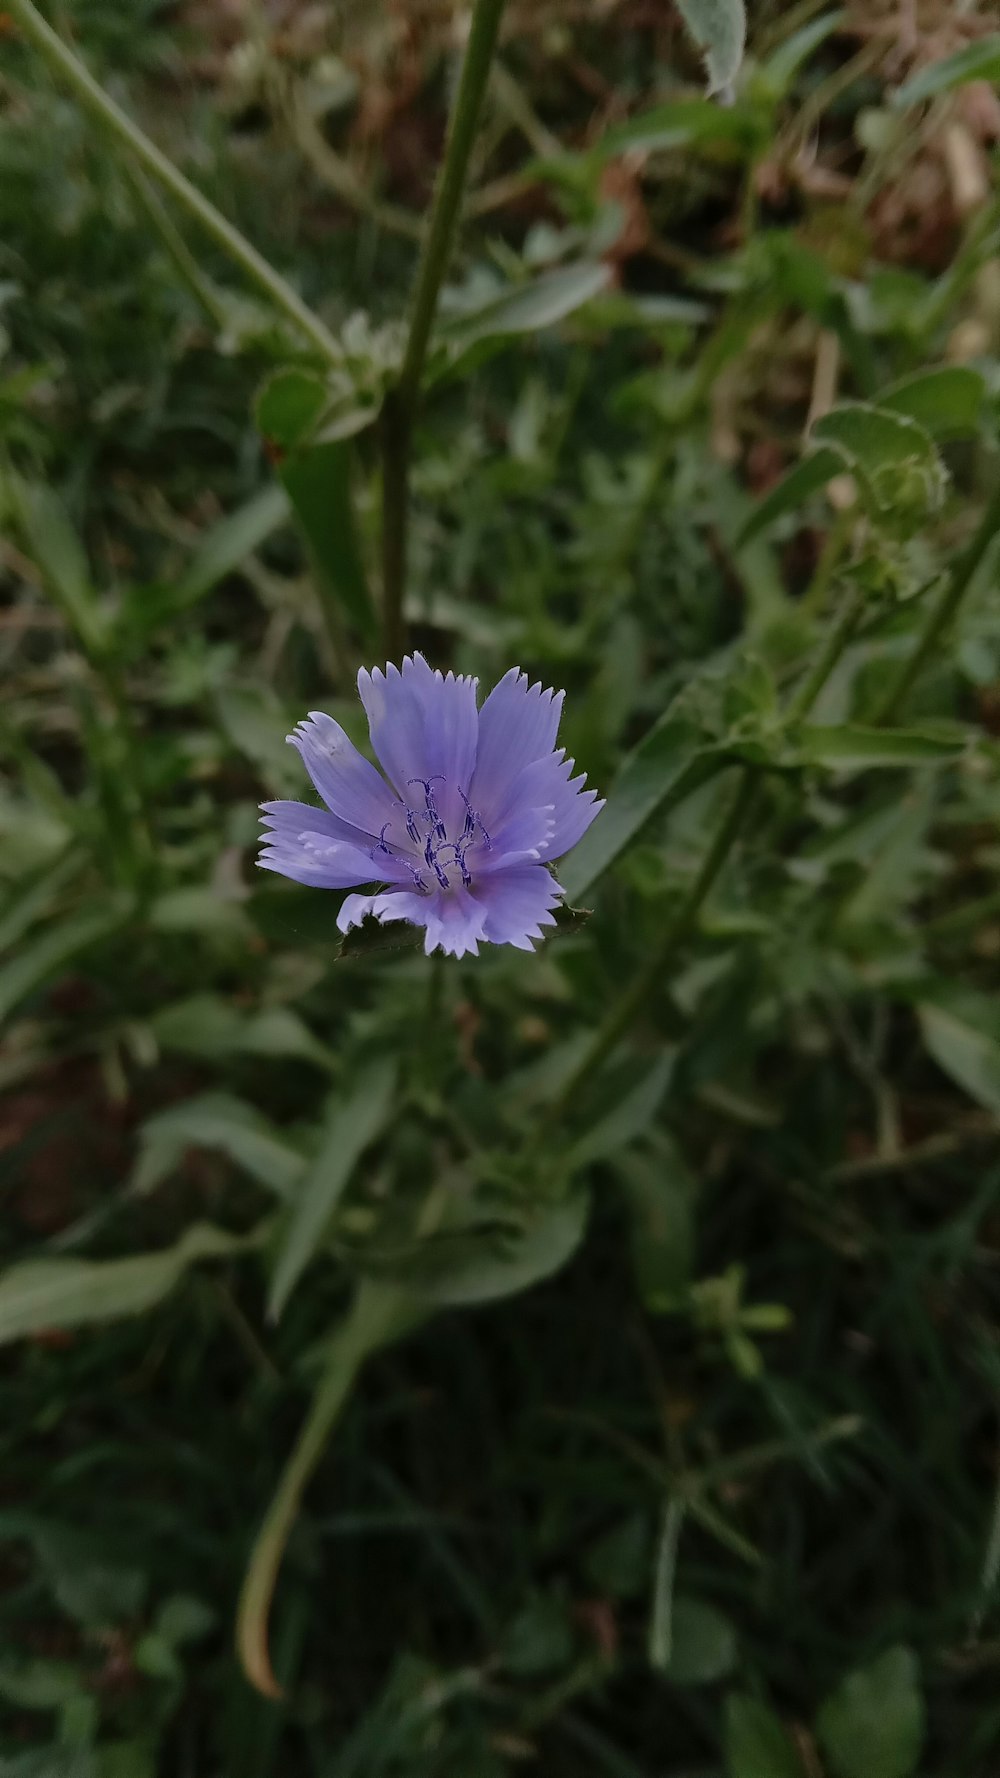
[[946, 401], [756, 1745], [852, 746], [874, 1721], [352, 1125], [719, 28], [66, 1293], [977, 61]]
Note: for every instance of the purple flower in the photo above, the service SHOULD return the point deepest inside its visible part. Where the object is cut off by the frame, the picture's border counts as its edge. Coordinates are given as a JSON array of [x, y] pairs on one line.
[[473, 805]]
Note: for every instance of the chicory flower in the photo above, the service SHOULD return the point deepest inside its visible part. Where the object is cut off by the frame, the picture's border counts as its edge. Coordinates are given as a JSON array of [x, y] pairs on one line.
[[460, 830]]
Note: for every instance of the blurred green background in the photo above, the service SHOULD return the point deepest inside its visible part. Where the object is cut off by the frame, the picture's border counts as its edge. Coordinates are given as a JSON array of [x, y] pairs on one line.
[[722, 1496]]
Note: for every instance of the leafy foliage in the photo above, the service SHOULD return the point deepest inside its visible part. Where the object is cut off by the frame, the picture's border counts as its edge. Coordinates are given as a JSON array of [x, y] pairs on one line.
[[686, 1460]]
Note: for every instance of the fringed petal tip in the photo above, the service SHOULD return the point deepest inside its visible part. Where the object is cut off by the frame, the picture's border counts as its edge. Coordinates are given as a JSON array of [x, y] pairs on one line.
[[413, 665]]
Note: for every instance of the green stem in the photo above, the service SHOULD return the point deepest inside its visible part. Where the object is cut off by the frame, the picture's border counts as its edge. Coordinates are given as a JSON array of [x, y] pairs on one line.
[[837, 640], [127, 135], [631, 1003], [379, 1313], [744, 803], [940, 615], [175, 246], [401, 404]]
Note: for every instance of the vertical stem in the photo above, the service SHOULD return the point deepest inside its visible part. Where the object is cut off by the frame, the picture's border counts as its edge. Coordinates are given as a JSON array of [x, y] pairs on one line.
[[127, 135], [940, 615], [639, 990], [401, 404], [174, 244], [837, 640], [378, 1314]]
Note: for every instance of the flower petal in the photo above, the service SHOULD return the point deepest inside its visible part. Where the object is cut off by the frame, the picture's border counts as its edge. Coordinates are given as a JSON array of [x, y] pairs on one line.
[[454, 922], [517, 724], [424, 726], [550, 782], [518, 902], [315, 859], [522, 836], [289, 819], [351, 788]]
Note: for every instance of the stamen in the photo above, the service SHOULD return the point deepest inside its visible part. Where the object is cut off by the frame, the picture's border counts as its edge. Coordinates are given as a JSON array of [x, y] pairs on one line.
[[473, 819], [380, 845]]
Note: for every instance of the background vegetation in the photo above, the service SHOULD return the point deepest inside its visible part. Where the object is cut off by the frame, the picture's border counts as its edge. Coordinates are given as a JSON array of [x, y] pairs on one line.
[[719, 1494]]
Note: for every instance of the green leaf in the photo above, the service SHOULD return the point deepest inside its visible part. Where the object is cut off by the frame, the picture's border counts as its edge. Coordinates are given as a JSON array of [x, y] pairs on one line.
[[224, 546], [968, 1053], [665, 767], [852, 747], [629, 1118], [793, 490], [780, 69], [318, 483], [508, 1265], [756, 1745], [874, 1721], [65, 1293], [210, 1026], [289, 405], [216, 1121], [257, 725], [702, 1643], [351, 1126], [372, 938], [681, 123], [53, 544], [44, 959], [946, 401], [977, 61], [528, 307], [660, 1193], [719, 28], [872, 436], [893, 457]]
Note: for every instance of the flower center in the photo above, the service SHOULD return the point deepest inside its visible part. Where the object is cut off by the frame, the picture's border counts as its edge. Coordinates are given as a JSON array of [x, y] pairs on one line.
[[428, 836]]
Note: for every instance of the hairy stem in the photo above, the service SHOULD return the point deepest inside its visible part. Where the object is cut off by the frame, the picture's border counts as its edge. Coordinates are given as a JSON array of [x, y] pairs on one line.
[[127, 136], [401, 404], [941, 614]]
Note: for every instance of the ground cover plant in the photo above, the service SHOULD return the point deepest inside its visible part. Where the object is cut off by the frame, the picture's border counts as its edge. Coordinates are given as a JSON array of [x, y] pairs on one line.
[[582, 1360]]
